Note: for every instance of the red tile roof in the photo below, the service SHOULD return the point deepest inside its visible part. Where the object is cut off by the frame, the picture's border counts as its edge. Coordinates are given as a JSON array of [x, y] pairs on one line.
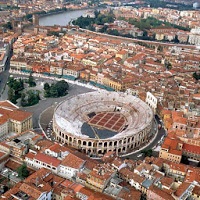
[[193, 174], [15, 114], [191, 148], [72, 161], [159, 192], [181, 189], [47, 159]]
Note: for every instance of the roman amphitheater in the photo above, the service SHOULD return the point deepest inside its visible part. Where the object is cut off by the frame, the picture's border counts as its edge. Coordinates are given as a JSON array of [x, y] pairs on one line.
[[101, 121]]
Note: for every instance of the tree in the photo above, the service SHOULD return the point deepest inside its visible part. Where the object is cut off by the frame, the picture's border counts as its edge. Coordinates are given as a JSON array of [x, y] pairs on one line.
[[96, 13], [56, 90], [91, 28], [11, 95], [196, 76], [47, 93], [103, 29], [23, 100], [32, 98], [15, 88], [46, 86], [8, 25], [53, 33], [147, 153], [176, 40], [168, 65], [23, 171], [53, 91], [16, 85], [31, 81], [62, 87]]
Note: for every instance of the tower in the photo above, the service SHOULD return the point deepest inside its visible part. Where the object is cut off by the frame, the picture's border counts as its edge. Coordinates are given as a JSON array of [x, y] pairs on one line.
[[35, 19]]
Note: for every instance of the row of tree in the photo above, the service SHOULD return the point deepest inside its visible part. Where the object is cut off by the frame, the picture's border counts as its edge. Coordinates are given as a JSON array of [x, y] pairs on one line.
[[58, 89], [99, 19], [30, 98], [30, 15], [15, 88], [142, 24]]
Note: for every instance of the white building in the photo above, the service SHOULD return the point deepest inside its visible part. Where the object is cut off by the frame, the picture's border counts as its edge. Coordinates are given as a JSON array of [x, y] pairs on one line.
[[152, 101], [41, 160], [4, 54], [56, 159], [70, 165], [194, 37], [136, 181]]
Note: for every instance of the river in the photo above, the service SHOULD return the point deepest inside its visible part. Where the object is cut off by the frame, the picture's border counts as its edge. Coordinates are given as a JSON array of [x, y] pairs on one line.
[[61, 19]]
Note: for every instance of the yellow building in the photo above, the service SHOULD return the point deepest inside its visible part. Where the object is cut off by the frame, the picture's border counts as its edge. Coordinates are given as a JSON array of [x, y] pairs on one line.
[[18, 64], [123, 54], [196, 193], [171, 150], [175, 170], [99, 177], [113, 83], [159, 36], [15, 120]]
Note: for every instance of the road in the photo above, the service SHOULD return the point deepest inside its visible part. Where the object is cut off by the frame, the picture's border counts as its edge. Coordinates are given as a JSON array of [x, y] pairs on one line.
[[46, 107], [157, 43], [46, 102], [52, 102], [4, 78], [154, 143]]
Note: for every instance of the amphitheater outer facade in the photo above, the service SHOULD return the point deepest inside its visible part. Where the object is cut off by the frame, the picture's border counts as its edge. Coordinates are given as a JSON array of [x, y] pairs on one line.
[[70, 115]]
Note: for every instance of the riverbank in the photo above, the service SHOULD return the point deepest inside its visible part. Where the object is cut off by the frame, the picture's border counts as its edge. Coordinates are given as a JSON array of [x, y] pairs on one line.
[[61, 18], [60, 11]]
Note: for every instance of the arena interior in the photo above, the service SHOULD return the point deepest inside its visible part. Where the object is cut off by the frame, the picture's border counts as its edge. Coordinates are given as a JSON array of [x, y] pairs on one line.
[[101, 121]]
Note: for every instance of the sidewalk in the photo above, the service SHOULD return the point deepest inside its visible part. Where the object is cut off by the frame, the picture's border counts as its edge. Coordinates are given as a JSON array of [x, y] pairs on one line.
[[55, 78]]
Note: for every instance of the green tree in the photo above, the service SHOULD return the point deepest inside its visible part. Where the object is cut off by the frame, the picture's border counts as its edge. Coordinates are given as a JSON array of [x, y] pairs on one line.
[[8, 25], [33, 97], [56, 90], [16, 85], [47, 93], [147, 153], [53, 33], [23, 171], [113, 32], [196, 76], [53, 91], [15, 88], [103, 29], [168, 65], [96, 13], [46, 86], [91, 28], [31, 81], [62, 87], [23, 100], [11, 95]]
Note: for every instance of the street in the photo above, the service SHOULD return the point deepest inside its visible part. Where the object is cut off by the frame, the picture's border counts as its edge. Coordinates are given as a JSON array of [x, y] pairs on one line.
[[44, 110], [152, 145], [3, 80], [52, 102]]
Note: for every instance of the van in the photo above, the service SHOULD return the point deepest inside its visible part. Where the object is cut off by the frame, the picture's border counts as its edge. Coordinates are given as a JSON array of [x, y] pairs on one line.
[[140, 155]]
